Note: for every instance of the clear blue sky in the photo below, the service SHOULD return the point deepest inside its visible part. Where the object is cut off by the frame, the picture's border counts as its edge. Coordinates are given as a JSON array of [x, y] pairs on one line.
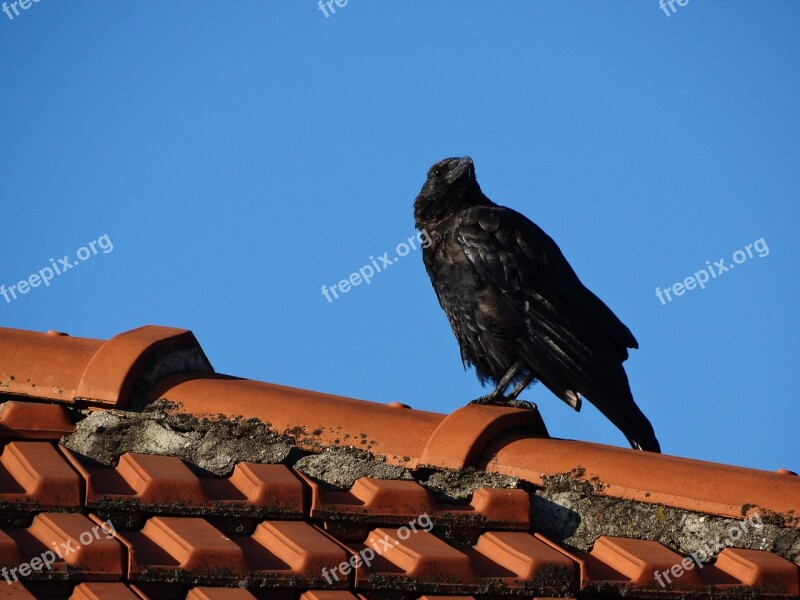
[[240, 155]]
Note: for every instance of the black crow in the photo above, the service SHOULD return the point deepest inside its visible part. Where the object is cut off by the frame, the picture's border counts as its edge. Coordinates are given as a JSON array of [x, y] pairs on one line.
[[518, 310]]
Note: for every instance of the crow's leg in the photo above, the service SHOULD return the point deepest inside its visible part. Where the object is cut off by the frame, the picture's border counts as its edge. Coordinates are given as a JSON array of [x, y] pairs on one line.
[[521, 386], [512, 397], [497, 393]]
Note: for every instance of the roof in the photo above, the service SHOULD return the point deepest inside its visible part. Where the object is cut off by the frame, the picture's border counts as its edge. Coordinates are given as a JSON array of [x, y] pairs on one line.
[[156, 477]]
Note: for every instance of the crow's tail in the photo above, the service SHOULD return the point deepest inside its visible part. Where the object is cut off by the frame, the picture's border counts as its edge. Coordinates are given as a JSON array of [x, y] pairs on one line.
[[622, 411]]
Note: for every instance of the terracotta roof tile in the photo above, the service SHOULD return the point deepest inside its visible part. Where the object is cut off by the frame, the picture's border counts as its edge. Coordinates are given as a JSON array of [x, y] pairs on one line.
[[208, 593], [327, 595], [156, 484], [103, 591], [278, 552], [760, 570], [398, 501], [15, 591], [499, 562], [643, 476], [83, 551], [58, 367], [31, 420], [629, 564], [180, 532], [35, 474]]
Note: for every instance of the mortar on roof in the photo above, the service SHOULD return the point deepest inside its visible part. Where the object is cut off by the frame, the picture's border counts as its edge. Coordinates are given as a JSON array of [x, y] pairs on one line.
[[340, 467], [568, 511], [215, 446], [455, 485]]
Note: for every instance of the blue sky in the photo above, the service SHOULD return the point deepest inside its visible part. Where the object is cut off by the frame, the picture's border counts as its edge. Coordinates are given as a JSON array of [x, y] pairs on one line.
[[239, 156]]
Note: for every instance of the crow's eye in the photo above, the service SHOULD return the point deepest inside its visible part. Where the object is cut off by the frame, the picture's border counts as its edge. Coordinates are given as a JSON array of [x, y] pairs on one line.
[[437, 172]]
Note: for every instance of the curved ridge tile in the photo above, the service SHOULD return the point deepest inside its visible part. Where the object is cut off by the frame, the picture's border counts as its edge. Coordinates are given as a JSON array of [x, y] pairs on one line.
[[59, 367], [647, 477], [463, 434], [43, 365], [139, 357]]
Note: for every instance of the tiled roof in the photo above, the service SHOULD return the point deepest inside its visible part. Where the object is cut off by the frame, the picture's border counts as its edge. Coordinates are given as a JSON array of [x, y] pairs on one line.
[[578, 520]]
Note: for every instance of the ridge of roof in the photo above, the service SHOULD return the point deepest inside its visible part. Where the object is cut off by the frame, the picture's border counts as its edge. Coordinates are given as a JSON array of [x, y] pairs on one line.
[[152, 362]]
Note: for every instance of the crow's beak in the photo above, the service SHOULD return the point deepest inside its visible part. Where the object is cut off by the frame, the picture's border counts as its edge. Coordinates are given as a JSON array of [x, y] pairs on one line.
[[462, 166]]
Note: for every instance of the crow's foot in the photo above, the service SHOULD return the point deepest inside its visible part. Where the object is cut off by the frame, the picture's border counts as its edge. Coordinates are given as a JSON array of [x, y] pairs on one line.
[[491, 398], [522, 404], [501, 400]]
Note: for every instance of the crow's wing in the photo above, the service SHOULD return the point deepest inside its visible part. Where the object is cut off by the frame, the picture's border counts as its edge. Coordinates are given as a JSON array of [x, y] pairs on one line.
[[519, 259], [569, 338]]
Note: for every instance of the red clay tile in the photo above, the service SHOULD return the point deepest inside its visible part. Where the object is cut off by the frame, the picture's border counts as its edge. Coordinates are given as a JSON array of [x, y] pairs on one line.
[[499, 561], [630, 562], [209, 593], [35, 473], [103, 591], [166, 484], [32, 420], [314, 418], [163, 479], [421, 556], [14, 591], [761, 570], [646, 477], [527, 557], [629, 566], [405, 437], [41, 365], [399, 501], [77, 545], [158, 591], [10, 553], [113, 370], [304, 548], [190, 544], [463, 435], [285, 552], [65, 369], [274, 487], [327, 595], [502, 508]]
